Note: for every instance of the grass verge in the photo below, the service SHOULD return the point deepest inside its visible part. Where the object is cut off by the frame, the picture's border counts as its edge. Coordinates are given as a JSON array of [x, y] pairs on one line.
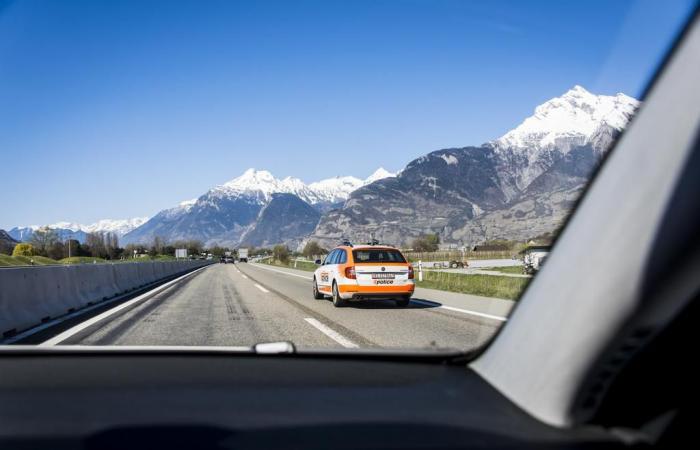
[[81, 260], [7, 260], [510, 269], [300, 265], [484, 285]]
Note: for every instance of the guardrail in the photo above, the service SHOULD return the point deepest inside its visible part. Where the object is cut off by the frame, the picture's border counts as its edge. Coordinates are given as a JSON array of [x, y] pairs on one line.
[[32, 295]]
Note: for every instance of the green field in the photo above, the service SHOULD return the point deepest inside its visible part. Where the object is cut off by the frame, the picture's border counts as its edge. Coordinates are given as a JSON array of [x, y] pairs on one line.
[[81, 260], [7, 261], [484, 285], [301, 265], [509, 269]]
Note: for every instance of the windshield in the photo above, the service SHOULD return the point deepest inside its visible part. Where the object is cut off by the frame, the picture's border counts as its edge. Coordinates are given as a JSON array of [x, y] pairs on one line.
[[383, 255], [190, 173]]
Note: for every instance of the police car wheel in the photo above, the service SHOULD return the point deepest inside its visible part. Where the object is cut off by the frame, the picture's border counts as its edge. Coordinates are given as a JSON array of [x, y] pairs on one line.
[[317, 293], [337, 301]]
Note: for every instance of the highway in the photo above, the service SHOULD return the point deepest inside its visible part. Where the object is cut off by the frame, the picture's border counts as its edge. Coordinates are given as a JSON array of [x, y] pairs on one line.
[[245, 304]]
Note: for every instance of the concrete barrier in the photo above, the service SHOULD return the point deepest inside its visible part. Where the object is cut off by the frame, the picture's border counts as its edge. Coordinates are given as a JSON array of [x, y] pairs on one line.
[[32, 295]]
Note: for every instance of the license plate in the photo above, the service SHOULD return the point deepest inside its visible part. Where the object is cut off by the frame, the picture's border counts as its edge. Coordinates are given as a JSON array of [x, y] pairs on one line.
[[382, 276]]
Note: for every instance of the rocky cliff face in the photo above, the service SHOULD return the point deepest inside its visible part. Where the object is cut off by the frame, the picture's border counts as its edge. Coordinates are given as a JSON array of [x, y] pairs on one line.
[[285, 219]]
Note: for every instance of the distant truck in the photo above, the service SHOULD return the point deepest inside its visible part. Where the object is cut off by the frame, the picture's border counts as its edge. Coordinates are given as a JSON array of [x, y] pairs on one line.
[[243, 255]]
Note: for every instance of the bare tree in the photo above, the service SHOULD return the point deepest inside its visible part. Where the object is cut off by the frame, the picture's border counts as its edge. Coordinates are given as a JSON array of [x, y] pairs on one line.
[[42, 240], [96, 243]]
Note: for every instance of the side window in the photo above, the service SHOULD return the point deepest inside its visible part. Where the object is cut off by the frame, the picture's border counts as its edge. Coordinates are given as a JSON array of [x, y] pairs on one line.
[[329, 258], [343, 257], [336, 254]]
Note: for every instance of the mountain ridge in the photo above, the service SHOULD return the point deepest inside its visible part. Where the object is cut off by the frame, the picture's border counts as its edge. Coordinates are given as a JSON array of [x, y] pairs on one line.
[[514, 187]]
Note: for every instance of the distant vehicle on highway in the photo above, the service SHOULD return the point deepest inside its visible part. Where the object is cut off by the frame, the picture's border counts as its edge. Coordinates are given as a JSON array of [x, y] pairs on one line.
[[243, 255], [454, 264], [534, 257], [362, 272]]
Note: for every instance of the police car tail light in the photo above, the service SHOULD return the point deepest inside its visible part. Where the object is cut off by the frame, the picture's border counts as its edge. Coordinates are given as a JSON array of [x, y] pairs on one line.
[[350, 272], [410, 272]]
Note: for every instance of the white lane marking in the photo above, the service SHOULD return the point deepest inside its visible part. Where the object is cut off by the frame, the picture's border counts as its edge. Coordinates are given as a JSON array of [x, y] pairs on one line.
[[284, 272], [81, 326], [463, 311], [262, 288], [337, 337], [450, 308], [244, 276]]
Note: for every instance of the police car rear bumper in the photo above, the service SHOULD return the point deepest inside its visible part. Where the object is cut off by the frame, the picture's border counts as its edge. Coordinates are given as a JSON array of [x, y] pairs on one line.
[[357, 292]]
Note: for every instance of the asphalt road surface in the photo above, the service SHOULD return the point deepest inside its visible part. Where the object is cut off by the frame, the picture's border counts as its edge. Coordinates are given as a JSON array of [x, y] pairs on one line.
[[245, 304]]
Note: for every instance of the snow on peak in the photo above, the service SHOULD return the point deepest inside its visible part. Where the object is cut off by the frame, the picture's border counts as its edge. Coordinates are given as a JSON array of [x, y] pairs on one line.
[[63, 226], [574, 117], [336, 189], [449, 159], [379, 174], [117, 226], [252, 180], [187, 204], [261, 184]]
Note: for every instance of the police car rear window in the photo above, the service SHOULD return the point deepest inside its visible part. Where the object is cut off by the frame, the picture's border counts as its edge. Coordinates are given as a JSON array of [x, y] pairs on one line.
[[378, 256]]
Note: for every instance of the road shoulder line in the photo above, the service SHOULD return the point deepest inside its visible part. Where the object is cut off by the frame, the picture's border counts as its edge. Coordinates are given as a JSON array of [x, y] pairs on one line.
[[337, 337], [284, 272], [460, 310], [262, 288], [100, 317]]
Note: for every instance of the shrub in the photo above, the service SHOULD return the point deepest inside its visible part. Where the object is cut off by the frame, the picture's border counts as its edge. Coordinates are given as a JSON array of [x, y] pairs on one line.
[[312, 249], [281, 253], [23, 249]]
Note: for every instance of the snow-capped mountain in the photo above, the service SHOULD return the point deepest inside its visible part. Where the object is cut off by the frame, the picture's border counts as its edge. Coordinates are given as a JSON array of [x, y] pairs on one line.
[[515, 187], [378, 174], [117, 226], [573, 117], [72, 230], [338, 189], [227, 212], [577, 118], [261, 184]]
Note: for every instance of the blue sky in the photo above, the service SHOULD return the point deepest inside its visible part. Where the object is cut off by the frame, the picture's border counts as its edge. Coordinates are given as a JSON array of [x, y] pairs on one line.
[[120, 109]]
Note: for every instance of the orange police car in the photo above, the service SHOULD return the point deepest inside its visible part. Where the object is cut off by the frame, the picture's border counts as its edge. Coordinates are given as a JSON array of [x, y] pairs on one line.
[[363, 272]]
